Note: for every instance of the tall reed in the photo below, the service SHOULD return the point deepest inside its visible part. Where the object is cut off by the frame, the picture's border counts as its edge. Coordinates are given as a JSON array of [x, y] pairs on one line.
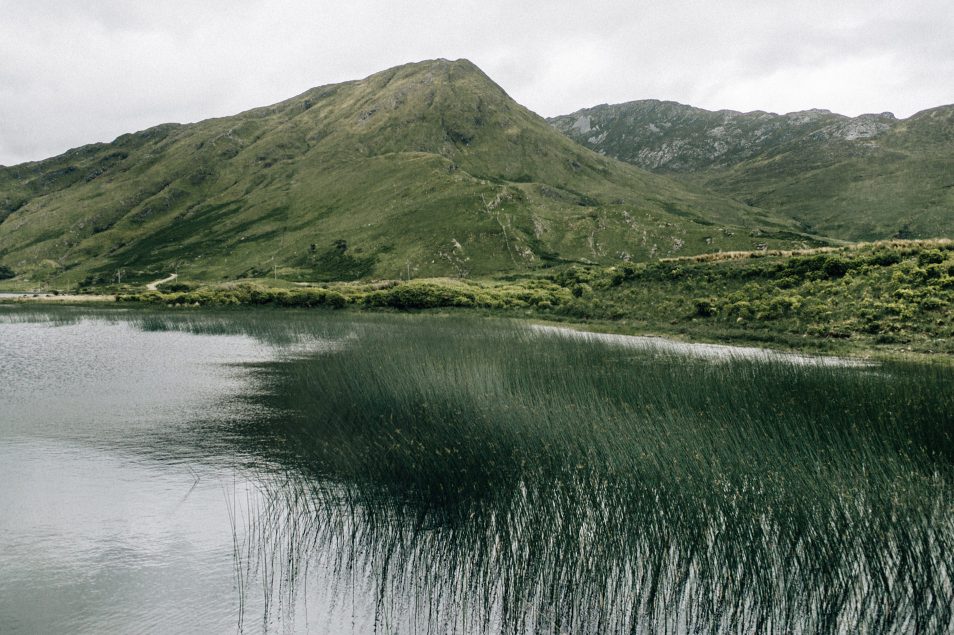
[[483, 477], [479, 476]]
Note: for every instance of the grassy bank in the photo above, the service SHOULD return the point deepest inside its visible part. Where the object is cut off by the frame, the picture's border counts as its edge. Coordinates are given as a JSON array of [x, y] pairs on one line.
[[894, 297]]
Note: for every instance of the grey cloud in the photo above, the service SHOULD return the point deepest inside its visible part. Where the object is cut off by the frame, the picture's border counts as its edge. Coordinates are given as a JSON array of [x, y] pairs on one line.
[[74, 73]]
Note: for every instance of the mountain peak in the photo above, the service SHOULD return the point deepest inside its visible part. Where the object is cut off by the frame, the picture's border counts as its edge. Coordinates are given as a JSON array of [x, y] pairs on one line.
[[453, 69], [427, 168]]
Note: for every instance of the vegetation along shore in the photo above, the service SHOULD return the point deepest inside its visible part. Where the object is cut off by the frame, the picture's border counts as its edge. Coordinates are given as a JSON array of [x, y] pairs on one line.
[[890, 297]]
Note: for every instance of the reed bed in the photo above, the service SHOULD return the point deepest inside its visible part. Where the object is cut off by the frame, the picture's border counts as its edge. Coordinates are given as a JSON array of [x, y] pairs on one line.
[[478, 476], [481, 477]]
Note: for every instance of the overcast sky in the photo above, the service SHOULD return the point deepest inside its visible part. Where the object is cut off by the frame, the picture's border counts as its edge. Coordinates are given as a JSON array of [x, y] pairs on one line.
[[75, 72]]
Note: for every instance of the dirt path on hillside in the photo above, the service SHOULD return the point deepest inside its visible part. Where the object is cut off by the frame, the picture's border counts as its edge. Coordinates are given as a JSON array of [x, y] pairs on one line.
[[153, 286]]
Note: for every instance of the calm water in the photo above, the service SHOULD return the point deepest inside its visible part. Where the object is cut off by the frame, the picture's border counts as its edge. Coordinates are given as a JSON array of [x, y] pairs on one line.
[[301, 472], [117, 489]]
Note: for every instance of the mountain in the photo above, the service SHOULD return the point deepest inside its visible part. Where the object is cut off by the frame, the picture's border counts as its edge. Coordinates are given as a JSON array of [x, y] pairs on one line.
[[861, 178], [423, 169]]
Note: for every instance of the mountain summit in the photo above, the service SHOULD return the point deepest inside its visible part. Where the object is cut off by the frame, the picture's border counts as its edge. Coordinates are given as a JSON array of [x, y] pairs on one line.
[[423, 169]]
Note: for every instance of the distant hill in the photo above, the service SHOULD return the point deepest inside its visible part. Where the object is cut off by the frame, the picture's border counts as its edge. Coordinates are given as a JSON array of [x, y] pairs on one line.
[[421, 170], [860, 178]]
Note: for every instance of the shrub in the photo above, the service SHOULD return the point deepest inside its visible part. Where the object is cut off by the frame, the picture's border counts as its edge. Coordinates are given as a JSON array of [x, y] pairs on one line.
[[176, 286], [310, 298], [787, 282], [705, 307], [622, 274], [6, 272], [816, 267], [741, 309], [884, 258], [930, 257], [581, 290], [574, 276], [421, 295], [835, 267]]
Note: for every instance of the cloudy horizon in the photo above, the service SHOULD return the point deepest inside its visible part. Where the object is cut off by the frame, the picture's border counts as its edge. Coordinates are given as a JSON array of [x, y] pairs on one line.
[[73, 75]]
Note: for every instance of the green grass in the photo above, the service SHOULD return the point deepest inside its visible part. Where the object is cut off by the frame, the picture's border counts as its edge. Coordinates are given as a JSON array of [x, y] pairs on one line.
[[888, 298], [478, 474], [896, 183], [894, 296], [427, 169]]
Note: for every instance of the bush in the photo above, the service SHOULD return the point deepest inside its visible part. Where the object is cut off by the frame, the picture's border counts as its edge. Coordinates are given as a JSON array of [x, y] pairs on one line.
[[6, 273], [884, 258], [176, 286], [421, 295], [574, 276], [310, 298], [705, 307], [835, 267], [622, 274], [581, 290], [741, 309], [785, 305], [816, 267], [930, 257]]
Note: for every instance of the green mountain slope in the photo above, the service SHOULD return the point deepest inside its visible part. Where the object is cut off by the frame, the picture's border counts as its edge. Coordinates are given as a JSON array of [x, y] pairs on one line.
[[424, 169], [861, 178]]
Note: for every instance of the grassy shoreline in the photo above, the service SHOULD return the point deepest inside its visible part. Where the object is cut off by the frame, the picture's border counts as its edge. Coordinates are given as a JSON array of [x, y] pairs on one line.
[[887, 300], [845, 349]]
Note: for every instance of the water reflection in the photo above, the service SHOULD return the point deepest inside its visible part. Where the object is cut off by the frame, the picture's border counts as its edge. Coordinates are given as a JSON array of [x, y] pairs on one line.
[[95, 542], [713, 352], [117, 479], [303, 472]]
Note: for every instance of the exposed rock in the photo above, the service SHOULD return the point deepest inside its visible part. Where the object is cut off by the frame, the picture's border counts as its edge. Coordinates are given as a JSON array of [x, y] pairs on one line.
[[673, 137], [582, 125]]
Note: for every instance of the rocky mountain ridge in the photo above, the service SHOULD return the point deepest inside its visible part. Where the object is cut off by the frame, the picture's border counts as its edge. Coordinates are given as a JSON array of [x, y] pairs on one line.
[[856, 178], [669, 136]]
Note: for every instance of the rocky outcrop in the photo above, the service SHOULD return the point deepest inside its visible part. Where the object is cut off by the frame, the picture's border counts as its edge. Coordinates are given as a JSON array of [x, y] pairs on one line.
[[671, 137], [856, 178]]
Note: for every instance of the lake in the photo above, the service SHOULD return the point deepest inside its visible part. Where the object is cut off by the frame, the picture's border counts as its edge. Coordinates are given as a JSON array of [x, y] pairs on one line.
[[294, 471]]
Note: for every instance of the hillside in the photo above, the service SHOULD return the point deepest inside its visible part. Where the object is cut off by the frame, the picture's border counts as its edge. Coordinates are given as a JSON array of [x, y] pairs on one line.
[[423, 169], [862, 178]]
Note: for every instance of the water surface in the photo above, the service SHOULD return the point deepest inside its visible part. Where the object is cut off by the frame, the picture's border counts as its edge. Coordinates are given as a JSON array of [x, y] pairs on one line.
[[119, 487], [293, 471]]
